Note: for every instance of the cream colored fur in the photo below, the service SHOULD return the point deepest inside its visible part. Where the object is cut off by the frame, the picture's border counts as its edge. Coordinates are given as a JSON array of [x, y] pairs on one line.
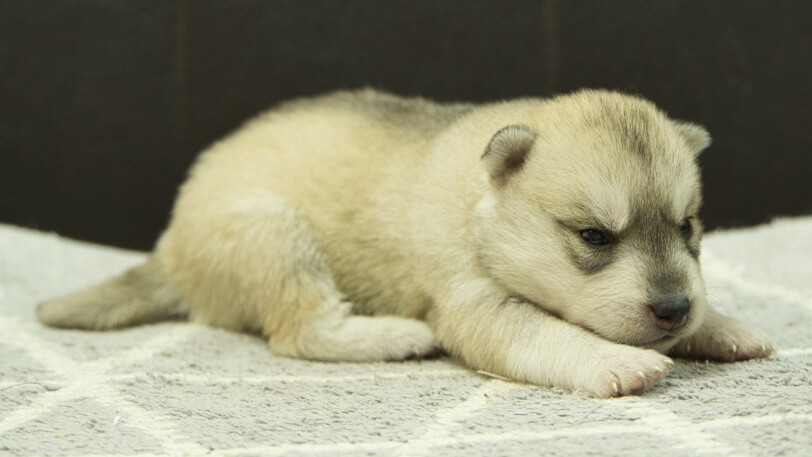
[[361, 226]]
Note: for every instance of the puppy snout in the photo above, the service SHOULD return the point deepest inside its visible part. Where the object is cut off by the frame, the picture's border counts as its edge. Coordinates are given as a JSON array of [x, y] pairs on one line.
[[671, 312]]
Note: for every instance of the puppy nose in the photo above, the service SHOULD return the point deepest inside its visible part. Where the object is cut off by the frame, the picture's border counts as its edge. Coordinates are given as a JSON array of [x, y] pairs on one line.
[[671, 310]]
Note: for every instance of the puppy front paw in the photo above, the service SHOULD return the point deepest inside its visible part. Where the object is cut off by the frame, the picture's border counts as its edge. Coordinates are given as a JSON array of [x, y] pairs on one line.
[[625, 370], [725, 340]]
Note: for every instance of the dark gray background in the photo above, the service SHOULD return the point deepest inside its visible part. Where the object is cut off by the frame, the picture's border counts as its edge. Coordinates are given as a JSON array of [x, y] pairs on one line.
[[104, 104]]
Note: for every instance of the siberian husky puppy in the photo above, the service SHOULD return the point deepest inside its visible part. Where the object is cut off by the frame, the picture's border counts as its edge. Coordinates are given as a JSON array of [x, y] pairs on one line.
[[552, 241]]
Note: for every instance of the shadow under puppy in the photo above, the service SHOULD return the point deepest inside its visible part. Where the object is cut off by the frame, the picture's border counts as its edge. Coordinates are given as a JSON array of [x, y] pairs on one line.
[[553, 241]]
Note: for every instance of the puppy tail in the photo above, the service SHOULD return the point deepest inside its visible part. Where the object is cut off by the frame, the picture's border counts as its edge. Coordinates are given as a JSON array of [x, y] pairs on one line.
[[137, 296]]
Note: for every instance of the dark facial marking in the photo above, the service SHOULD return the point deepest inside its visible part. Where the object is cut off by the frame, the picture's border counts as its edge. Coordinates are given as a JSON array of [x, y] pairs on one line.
[[635, 127], [591, 264], [692, 236], [631, 126], [660, 242], [665, 280], [590, 259], [693, 250], [589, 249]]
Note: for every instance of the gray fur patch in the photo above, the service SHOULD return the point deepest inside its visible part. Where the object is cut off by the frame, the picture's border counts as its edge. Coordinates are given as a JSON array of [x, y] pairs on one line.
[[416, 113], [659, 244], [593, 262]]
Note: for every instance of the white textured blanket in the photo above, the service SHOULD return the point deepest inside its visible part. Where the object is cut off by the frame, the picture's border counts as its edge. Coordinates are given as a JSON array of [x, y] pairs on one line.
[[182, 389]]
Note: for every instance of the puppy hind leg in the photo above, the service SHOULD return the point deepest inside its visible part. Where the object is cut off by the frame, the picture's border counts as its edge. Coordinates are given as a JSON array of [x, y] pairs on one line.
[[336, 335], [309, 317]]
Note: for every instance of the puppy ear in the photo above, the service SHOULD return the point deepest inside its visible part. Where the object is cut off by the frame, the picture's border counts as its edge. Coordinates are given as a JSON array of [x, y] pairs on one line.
[[695, 135], [507, 151]]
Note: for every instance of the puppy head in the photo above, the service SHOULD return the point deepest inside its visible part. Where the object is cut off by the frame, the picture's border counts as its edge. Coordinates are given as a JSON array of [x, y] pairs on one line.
[[592, 214]]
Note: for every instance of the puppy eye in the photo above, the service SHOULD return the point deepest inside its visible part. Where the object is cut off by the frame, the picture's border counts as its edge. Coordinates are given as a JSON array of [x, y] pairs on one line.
[[686, 228], [594, 237]]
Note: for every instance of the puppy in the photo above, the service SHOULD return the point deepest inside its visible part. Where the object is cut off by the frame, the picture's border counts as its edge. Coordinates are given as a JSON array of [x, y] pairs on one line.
[[554, 241]]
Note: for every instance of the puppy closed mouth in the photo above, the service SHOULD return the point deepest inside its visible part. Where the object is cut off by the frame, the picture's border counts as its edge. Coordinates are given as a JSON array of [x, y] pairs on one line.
[[672, 334]]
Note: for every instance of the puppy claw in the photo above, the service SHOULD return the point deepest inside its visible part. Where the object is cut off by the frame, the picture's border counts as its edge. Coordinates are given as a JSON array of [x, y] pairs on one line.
[[625, 370], [726, 340]]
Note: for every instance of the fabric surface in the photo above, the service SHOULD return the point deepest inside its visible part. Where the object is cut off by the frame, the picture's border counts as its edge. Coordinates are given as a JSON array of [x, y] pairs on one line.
[[181, 389]]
